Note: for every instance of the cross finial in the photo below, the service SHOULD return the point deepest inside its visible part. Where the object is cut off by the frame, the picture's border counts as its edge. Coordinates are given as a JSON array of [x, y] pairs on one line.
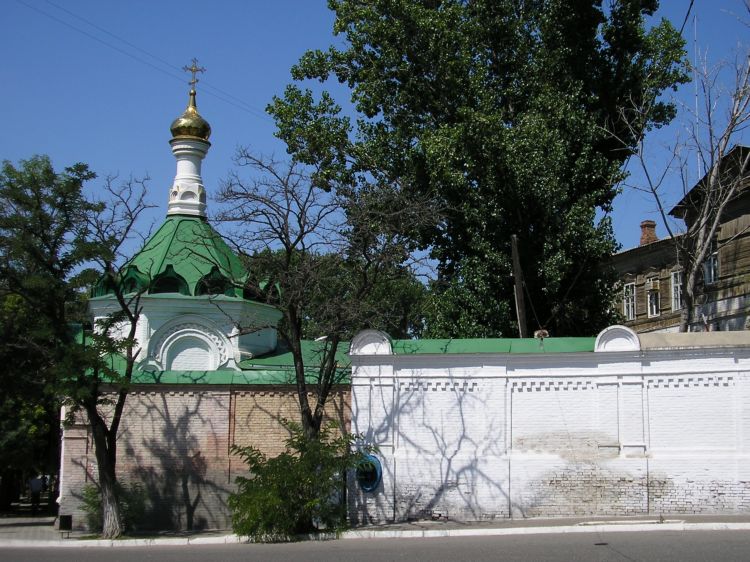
[[194, 69]]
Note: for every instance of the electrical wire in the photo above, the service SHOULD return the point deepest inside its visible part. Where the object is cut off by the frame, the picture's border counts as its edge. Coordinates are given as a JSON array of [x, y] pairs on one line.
[[244, 105], [687, 16], [208, 88]]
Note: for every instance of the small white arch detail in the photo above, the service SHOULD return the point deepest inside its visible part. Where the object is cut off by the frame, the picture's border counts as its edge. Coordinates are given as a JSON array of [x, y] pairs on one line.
[[186, 337], [371, 342], [617, 338]]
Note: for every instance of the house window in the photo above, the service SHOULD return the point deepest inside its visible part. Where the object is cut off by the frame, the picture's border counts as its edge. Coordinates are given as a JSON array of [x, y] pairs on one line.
[[652, 288], [653, 303], [676, 290], [711, 267], [628, 301]]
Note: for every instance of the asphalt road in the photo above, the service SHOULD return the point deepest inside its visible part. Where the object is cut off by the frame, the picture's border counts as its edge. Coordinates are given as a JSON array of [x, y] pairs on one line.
[[651, 546]]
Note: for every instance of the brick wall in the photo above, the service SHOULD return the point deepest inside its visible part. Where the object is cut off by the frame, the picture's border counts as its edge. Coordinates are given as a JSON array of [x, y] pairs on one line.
[[175, 444]]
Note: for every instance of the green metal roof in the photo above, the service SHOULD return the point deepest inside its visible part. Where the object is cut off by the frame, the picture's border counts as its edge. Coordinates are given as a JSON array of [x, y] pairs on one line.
[[181, 253], [492, 345], [279, 376], [311, 350], [275, 368]]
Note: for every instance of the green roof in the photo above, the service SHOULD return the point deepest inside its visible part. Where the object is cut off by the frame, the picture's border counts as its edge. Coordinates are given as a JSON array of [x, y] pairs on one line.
[[258, 376], [185, 255], [275, 368], [311, 350], [492, 345], [212, 377]]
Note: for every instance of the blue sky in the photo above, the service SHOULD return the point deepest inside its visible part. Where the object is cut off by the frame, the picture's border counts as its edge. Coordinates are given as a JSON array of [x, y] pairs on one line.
[[100, 81]]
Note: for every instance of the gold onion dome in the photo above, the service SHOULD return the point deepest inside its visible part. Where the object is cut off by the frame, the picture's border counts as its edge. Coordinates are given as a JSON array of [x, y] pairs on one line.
[[190, 123]]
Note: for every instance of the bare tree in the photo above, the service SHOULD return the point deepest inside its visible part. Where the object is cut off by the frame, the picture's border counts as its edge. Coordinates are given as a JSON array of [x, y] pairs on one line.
[[319, 255], [714, 132]]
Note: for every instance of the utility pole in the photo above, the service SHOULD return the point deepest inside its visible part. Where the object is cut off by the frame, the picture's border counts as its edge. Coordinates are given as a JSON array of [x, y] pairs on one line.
[[518, 287]]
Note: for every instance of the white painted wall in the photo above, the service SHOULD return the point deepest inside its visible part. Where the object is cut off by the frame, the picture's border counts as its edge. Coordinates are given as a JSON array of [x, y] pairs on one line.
[[620, 431], [207, 333]]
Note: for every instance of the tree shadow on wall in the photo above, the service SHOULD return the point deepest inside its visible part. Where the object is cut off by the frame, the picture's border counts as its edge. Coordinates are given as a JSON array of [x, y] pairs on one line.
[[446, 474], [255, 417], [175, 476]]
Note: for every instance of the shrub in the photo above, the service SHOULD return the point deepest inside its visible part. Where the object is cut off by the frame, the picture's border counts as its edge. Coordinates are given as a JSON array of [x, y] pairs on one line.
[[300, 491], [132, 500]]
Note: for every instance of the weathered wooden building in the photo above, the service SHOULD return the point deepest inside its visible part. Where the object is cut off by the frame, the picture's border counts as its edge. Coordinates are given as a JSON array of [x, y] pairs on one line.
[[652, 275]]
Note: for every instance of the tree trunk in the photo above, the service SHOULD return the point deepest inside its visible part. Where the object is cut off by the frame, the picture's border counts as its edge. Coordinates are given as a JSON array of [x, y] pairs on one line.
[[685, 316], [111, 521], [310, 425], [106, 462], [293, 338], [688, 300]]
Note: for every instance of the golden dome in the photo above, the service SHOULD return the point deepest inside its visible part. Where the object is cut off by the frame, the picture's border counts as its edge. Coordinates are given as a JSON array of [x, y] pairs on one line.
[[190, 123]]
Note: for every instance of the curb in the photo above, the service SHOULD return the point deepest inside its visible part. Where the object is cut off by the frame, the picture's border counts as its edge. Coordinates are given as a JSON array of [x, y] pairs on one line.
[[386, 534], [606, 528], [107, 543]]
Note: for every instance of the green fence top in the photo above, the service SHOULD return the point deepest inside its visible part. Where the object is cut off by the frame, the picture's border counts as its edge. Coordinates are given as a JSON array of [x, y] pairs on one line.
[[493, 345]]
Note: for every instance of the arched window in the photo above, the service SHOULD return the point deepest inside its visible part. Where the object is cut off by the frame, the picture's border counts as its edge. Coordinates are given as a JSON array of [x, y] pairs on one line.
[[213, 283], [170, 282], [104, 286], [134, 281]]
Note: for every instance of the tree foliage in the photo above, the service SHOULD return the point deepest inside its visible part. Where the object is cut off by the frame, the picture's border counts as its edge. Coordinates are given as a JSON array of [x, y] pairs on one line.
[[51, 236], [41, 248], [395, 305], [510, 116], [299, 491]]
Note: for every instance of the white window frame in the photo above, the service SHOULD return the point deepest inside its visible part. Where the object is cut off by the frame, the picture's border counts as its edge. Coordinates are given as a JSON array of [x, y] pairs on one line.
[[676, 294], [711, 267], [628, 301], [654, 303]]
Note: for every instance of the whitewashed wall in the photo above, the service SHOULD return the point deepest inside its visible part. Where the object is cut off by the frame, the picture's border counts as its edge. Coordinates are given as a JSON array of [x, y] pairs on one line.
[[195, 333], [639, 426]]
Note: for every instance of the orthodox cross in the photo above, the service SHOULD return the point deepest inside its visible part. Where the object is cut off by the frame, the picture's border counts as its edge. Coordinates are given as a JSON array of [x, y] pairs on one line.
[[194, 69]]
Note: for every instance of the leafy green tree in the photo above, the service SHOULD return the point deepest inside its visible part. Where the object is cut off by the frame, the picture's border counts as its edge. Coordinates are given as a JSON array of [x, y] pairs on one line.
[[51, 235], [40, 226], [299, 491], [395, 306], [511, 116], [29, 415]]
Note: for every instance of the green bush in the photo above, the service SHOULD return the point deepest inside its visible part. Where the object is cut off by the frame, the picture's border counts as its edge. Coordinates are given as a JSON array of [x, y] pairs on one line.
[[300, 491], [132, 500]]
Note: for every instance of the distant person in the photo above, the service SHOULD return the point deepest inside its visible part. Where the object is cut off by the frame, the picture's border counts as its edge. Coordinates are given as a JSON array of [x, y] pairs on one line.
[[36, 485]]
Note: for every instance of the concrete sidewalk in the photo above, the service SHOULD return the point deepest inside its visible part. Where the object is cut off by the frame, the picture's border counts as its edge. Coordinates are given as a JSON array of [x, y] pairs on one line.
[[40, 531]]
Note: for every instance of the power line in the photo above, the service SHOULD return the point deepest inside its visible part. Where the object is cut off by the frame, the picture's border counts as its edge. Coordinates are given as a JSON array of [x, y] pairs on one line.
[[687, 16], [245, 106], [211, 90]]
